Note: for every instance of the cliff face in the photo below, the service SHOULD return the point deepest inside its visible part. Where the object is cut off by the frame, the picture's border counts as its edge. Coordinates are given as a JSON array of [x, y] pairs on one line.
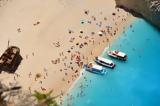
[[149, 9]]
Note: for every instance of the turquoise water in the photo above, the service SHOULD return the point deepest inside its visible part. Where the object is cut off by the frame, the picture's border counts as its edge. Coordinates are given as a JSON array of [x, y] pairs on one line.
[[135, 82]]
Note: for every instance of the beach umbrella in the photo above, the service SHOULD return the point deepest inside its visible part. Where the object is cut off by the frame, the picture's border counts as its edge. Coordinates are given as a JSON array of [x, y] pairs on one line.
[[100, 33]]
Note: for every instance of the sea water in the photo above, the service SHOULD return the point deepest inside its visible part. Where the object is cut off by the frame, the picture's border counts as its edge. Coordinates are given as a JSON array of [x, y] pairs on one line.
[[135, 82]]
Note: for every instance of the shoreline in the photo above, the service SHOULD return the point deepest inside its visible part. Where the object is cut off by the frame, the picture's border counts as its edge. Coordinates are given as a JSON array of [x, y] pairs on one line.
[[51, 38], [126, 25], [112, 87]]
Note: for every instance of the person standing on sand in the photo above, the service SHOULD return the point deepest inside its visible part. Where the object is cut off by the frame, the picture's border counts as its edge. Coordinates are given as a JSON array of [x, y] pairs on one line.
[[19, 30], [30, 74]]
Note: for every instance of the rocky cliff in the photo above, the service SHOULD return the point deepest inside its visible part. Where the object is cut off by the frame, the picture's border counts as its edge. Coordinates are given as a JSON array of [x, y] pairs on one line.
[[149, 9]]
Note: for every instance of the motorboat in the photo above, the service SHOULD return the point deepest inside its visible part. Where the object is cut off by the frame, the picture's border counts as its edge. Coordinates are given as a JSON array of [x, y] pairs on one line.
[[105, 62], [118, 55], [94, 68]]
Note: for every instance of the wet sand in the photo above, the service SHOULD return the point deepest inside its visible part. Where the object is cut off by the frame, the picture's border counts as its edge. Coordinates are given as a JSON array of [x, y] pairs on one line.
[[57, 37]]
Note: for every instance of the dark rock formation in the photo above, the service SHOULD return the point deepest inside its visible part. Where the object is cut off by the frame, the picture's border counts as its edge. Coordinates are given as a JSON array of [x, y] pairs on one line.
[[148, 9]]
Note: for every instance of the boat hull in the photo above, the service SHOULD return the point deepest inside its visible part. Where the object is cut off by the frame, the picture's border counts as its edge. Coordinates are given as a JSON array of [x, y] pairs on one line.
[[105, 65], [116, 57], [102, 72]]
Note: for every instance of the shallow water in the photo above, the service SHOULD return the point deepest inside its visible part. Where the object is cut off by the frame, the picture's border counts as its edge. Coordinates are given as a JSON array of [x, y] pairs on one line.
[[135, 82]]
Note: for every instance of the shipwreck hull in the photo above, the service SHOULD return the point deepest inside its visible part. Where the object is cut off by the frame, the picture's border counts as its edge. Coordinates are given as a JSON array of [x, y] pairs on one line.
[[10, 59]]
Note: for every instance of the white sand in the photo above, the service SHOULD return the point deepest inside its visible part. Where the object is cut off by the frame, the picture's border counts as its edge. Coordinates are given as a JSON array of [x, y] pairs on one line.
[[55, 17]]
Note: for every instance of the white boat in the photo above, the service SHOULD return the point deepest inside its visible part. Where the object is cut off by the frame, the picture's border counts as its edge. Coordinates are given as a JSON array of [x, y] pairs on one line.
[[118, 55], [105, 62], [93, 68]]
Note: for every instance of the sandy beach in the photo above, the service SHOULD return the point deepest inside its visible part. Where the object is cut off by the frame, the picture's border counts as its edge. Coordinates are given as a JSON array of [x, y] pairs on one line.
[[56, 37]]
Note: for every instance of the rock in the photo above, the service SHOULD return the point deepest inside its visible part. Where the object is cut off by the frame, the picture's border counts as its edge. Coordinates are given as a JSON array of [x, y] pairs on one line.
[[148, 9]]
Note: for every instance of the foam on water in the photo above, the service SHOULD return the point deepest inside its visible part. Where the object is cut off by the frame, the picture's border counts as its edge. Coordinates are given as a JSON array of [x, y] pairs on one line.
[[135, 82]]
